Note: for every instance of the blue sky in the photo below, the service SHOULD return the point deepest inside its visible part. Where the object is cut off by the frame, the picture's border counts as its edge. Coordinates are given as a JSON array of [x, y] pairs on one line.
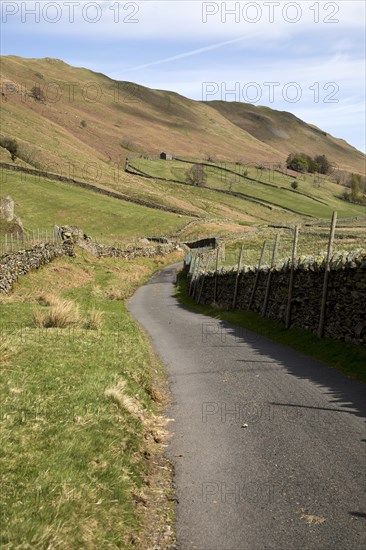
[[305, 57]]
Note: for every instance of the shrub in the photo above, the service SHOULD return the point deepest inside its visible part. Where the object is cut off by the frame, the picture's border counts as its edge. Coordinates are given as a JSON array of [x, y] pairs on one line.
[[83, 124], [37, 94], [294, 184], [355, 186], [324, 165], [11, 145], [297, 162], [301, 162]]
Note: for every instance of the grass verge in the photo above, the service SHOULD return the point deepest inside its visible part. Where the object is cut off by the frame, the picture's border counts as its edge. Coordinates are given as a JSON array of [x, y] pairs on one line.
[[346, 357], [80, 419]]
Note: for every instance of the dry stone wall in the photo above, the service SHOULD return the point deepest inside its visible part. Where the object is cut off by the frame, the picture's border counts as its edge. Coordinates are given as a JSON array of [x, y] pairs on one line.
[[345, 314], [100, 250], [100, 190], [13, 265], [19, 263]]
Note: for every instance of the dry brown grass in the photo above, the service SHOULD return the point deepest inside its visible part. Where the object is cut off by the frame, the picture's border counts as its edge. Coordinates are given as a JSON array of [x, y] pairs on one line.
[[60, 276], [93, 319], [62, 314], [117, 394], [47, 299]]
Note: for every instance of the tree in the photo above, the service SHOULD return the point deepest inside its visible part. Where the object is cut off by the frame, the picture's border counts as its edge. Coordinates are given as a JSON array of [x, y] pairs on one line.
[[355, 186], [313, 166], [297, 162], [323, 164], [11, 145], [196, 175], [294, 184]]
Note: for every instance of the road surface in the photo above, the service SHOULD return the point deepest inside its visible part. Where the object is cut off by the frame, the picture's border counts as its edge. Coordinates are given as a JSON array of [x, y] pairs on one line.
[[268, 445]]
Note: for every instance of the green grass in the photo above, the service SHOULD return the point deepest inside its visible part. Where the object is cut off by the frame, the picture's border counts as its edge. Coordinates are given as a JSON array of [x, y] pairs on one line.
[[270, 186], [42, 203], [345, 357], [72, 456], [311, 241]]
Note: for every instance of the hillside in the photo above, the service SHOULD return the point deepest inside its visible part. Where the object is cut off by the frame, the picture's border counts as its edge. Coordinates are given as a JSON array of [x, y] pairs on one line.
[[286, 133], [87, 117]]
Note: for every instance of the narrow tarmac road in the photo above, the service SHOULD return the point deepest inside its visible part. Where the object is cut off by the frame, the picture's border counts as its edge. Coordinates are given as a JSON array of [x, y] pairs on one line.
[[268, 445]]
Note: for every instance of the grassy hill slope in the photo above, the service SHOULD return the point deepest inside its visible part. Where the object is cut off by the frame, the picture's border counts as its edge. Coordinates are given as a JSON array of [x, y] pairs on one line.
[[287, 133], [89, 118]]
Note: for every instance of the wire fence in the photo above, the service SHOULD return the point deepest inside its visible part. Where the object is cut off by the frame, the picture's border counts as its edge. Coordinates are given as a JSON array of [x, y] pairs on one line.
[[214, 277], [312, 242], [24, 241]]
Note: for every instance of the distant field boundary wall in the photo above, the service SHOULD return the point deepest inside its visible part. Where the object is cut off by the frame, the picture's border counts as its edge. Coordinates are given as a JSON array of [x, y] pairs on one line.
[[130, 169], [209, 242], [96, 189], [262, 202], [273, 185]]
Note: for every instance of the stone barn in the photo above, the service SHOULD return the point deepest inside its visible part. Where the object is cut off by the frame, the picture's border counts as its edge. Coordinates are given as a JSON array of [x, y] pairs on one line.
[[166, 156]]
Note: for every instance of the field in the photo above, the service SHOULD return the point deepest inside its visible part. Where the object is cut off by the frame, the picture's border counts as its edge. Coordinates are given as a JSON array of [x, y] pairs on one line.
[[314, 197], [81, 431], [42, 203]]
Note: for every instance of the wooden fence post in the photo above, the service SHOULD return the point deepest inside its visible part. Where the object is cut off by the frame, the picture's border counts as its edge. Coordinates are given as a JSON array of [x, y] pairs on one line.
[[292, 273], [257, 275], [196, 277], [193, 274], [216, 270], [203, 278], [237, 277], [323, 304], [274, 256]]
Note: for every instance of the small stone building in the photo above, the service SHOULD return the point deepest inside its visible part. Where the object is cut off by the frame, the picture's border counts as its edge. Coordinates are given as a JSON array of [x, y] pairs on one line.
[[166, 156]]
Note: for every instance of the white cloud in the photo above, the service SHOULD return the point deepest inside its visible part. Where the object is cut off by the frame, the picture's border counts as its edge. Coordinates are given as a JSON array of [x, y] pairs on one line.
[[192, 21]]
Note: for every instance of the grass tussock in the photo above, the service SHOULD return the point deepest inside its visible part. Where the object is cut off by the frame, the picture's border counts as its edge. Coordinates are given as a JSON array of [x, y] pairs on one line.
[[118, 395], [100, 430], [47, 299], [93, 319], [61, 314]]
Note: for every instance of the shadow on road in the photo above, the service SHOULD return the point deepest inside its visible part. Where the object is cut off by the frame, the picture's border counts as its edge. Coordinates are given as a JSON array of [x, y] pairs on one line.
[[347, 395]]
